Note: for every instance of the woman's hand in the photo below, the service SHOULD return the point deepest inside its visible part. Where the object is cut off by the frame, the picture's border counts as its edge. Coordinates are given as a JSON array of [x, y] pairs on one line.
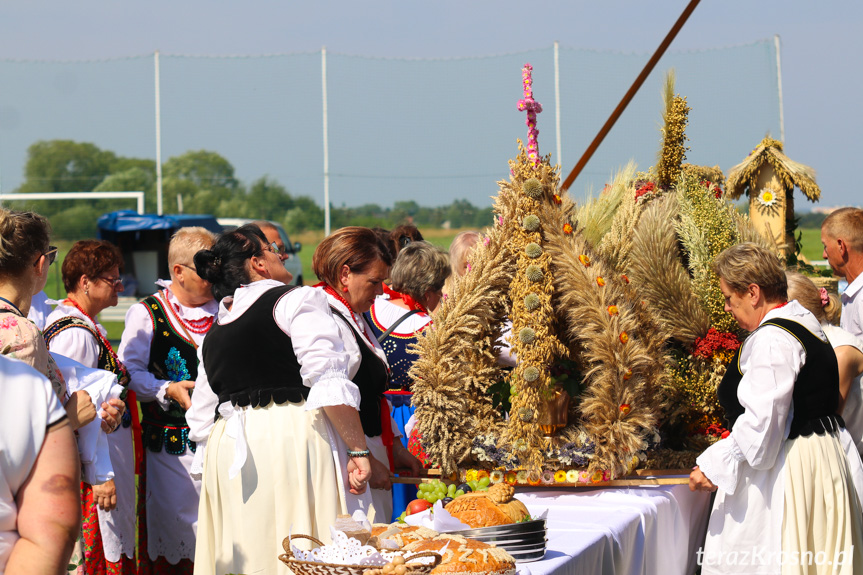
[[80, 409], [359, 472], [382, 477], [699, 482], [112, 414], [404, 459], [105, 495]]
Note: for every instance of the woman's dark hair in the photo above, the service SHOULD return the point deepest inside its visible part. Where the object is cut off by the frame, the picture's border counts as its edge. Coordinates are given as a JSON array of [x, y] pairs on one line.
[[352, 246], [403, 235], [89, 258], [224, 265], [23, 238], [384, 235]]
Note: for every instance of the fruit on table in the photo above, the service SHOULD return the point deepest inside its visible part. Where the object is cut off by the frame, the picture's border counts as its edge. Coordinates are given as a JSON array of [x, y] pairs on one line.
[[417, 506]]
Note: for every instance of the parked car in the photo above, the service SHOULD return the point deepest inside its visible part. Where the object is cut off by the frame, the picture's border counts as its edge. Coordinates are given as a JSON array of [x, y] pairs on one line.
[[292, 262]]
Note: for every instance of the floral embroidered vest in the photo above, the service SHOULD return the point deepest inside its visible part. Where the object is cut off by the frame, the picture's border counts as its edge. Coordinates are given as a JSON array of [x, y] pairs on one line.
[[172, 357]]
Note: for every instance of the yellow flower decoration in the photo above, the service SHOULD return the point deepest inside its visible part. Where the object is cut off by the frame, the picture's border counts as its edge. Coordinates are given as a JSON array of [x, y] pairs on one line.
[[600, 281], [481, 473], [510, 477], [567, 228], [612, 310], [585, 261], [624, 337], [596, 477], [559, 476], [470, 475]]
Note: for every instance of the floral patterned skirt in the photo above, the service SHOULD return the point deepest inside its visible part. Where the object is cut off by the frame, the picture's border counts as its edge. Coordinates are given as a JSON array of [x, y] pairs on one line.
[[94, 555]]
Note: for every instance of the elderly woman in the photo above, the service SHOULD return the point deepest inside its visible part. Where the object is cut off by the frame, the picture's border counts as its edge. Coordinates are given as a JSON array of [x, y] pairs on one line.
[[396, 319], [274, 372], [785, 496], [91, 277], [352, 264]]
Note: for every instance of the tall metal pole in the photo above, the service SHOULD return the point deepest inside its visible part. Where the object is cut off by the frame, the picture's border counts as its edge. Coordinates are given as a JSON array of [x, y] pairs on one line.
[[779, 83], [629, 95], [557, 99], [326, 144], [158, 139]]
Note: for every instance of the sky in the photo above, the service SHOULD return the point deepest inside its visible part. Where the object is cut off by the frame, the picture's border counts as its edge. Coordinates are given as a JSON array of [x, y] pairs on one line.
[[820, 47]]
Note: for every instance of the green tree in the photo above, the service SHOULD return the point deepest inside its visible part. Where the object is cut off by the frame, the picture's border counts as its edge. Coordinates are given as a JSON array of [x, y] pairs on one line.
[[207, 170], [267, 199], [65, 166]]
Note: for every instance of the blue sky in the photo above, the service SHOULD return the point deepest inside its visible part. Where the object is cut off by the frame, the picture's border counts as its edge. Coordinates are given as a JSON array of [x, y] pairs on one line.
[[821, 51]]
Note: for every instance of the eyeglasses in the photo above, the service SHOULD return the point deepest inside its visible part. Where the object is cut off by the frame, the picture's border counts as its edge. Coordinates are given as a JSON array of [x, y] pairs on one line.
[[51, 255], [273, 247], [189, 267], [113, 282]]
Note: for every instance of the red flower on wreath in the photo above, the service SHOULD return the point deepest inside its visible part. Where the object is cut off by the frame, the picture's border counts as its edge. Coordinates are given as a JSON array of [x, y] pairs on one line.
[[557, 199], [647, 188], [567, 228], [585, 261], [715, 342], [600, 281], [624, 337]]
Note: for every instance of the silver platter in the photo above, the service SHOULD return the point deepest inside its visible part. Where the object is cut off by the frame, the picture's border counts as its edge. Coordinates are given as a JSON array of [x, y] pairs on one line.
[[513, 538], [528, 557], [524, 527]]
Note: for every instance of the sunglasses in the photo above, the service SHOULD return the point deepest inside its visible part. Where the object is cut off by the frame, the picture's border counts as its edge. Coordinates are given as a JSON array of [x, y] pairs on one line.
[[50, 255], [115, 283]]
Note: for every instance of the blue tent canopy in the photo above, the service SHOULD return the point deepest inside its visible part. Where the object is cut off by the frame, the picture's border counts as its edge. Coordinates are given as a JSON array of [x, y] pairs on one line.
[[131, 221]]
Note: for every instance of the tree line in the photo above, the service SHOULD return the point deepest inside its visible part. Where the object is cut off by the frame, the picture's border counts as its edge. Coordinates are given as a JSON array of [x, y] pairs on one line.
[[198, 182]]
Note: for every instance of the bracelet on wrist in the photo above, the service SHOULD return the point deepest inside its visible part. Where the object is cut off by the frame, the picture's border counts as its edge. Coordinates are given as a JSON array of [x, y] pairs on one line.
[[360, 453]]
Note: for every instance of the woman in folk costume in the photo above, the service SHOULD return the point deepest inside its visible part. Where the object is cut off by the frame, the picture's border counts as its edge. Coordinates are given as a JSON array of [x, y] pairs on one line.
[[273, 372], [785, 498], [397, 318], [352, 264], [160, 350], [91, 276]]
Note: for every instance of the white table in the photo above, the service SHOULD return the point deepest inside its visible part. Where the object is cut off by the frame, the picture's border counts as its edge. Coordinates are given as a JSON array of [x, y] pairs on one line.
[[635, 531]]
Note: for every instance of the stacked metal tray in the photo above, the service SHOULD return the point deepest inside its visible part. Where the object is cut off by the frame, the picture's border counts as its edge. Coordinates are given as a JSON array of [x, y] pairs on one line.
[[524, 541]]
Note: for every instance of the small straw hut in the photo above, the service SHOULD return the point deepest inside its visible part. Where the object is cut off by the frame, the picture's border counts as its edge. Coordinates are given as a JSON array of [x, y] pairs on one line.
[[769, 177]]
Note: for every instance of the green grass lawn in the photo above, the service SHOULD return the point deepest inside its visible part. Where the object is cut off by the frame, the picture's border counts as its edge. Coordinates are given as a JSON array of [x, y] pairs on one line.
[[812, 248]]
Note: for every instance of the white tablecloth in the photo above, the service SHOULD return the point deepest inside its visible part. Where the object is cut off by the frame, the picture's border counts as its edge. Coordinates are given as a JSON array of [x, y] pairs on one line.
[[636, 531]]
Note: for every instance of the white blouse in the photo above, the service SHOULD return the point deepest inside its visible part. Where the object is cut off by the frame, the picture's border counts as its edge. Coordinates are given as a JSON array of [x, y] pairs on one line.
[[303, 314], [79, 344], [137, 338], [771, 359]]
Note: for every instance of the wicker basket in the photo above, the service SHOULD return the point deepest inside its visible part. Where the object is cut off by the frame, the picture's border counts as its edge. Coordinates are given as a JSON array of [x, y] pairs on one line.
[[314, 568]]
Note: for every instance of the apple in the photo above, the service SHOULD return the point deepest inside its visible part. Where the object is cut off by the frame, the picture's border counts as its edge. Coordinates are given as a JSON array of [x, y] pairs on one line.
[[418, 506]]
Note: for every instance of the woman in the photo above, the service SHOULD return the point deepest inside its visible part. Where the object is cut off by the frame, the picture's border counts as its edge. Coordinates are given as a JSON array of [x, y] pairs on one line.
[[785, 493], [25, 257], [352, 264], [848, 348], [40, 513], [404, 311], [273, 371], [91, 277]]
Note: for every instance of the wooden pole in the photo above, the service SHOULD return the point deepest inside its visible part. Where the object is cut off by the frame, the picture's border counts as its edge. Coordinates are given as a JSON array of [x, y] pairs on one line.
[[648, 68]]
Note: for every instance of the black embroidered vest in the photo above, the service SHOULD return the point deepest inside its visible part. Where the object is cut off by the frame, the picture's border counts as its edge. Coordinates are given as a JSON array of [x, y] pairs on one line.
[[174, 358], [251, 361], [816, 390], [372, 378], [106, 361]]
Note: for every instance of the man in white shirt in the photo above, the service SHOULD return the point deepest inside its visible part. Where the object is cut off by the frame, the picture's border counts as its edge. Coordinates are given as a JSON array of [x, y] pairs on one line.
[[842, 237]]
